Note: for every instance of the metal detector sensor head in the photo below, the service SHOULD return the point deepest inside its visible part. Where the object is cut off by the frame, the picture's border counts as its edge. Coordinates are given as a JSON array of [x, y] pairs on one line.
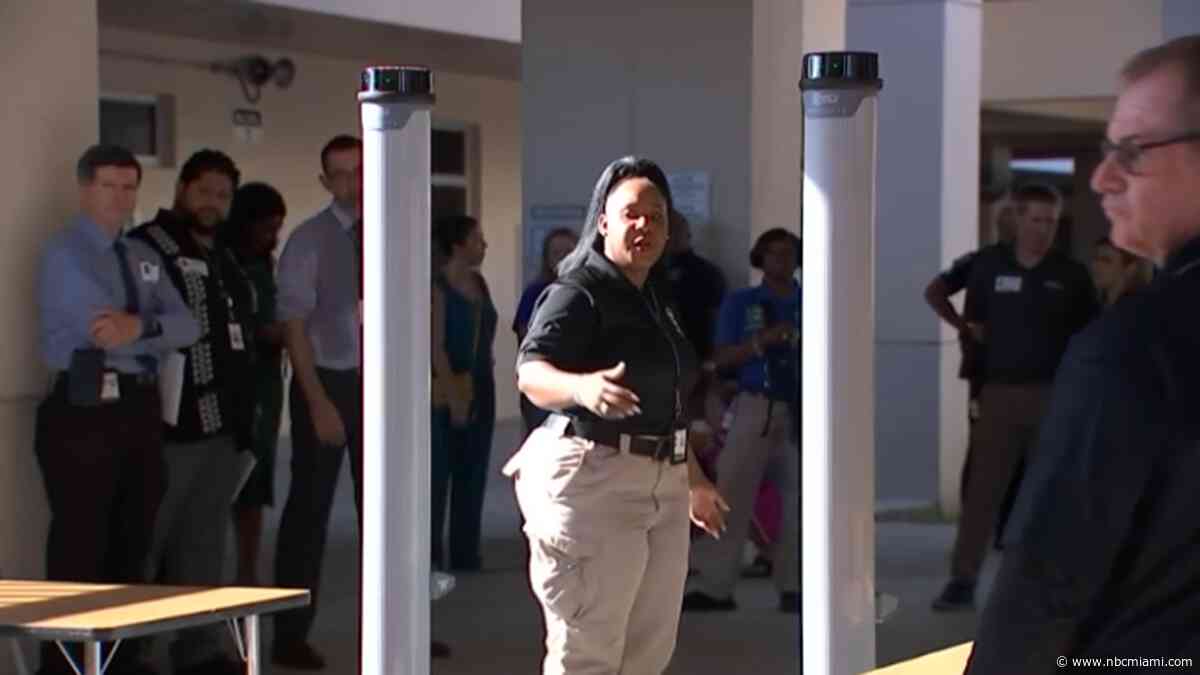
[[836, 83], [396, 84], [841, 70]]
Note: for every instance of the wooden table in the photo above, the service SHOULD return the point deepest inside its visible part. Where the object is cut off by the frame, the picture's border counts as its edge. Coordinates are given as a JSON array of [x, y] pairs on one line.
[[97, 613], [950, 661]]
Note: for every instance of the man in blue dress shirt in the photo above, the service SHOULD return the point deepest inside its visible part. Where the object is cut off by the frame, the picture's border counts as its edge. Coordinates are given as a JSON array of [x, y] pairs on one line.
[[107, 312]]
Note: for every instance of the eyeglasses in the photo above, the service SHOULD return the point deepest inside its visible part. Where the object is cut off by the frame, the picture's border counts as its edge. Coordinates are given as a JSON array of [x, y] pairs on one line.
[[1128, 153]]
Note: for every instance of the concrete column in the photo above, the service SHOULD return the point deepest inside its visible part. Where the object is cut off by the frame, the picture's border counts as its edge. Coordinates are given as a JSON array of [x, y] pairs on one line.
[[1179, 18], [675, 87], [928, 200], [48, 71], [784, 30]]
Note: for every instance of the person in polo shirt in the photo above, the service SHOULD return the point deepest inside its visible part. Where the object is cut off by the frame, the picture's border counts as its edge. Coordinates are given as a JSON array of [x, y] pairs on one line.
[[1026, 301], [758, 336]]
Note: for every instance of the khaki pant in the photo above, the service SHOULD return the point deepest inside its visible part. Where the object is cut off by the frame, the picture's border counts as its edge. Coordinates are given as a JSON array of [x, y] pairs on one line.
[[745, 459], [1006, 429], [608, 539]]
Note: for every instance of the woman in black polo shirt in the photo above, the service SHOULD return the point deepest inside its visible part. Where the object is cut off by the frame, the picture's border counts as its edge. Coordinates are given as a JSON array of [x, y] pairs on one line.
[[606, 485]]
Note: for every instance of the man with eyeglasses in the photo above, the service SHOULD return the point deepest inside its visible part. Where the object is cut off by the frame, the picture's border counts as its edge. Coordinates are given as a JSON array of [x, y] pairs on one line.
[[1101, 553], [1025, 301]]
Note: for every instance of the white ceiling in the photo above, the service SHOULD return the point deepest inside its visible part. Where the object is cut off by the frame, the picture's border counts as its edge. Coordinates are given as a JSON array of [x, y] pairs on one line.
[[493, 19]]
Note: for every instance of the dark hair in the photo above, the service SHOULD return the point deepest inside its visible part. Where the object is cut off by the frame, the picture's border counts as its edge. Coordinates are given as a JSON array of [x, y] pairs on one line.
[[206, 161], [337, 144], [613, 175], [1127, 258], [451, 231], [547, 271], [252, 204], [99, 156], [675, 221], [1038, 193], [1182, 52], [769, 237]]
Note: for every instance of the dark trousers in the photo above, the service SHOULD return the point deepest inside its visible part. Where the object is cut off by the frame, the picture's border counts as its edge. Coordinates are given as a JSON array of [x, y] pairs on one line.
[[104, 475], [1007, 427], [460, 458], [315, 468]]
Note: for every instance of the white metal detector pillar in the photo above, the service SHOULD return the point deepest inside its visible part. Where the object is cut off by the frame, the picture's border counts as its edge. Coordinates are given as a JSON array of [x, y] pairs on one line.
[[395, 104], [838, 503]]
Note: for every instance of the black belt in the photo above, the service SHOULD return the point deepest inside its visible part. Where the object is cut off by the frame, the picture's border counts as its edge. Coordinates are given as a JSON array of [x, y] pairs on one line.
[[124, 380], [660, 448]]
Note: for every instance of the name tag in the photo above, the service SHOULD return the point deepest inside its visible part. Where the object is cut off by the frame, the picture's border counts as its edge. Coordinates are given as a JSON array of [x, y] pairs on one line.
[[236, 340], [149, 272], [1008, 284], [110, 387], [193, 266], [679, 453]]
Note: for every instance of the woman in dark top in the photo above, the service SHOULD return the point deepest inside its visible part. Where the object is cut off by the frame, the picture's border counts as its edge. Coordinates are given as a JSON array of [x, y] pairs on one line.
[[1116, 272], [606, 485], [557, 244], [252, 233], [464, 388]]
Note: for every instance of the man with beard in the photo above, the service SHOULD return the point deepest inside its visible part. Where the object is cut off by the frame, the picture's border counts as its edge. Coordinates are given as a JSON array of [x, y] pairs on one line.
[[205, 445]]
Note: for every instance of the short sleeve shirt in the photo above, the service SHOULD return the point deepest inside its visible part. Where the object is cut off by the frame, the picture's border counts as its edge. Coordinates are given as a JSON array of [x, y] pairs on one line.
[[592, 319], [746, 312], [1029, 314]]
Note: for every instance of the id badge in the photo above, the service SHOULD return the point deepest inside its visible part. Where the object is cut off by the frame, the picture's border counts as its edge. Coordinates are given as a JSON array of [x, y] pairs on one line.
[[110, 387], [679, 452], [236, 339], [1008, 284]]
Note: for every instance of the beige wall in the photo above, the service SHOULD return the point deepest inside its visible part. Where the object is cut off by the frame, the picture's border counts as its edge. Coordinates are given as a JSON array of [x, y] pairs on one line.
[[675, 88], [298, 120], [46, 127], [1034, 49]]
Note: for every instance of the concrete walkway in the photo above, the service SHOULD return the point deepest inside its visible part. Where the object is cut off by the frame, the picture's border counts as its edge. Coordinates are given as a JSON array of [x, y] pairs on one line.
[[494, 625]]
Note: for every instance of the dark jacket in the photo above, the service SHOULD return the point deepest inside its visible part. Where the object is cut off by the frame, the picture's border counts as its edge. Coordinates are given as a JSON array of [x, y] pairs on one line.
[[1102, 552]]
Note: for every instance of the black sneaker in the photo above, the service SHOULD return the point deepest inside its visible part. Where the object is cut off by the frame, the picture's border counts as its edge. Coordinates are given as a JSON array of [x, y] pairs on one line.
[[957, 596], [702, 602], [439, 650], [789, 602], [761, 568]]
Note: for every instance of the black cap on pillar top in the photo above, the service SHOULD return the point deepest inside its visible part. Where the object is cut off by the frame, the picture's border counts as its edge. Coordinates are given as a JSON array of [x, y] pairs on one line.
[[841, 69], [396, 83]]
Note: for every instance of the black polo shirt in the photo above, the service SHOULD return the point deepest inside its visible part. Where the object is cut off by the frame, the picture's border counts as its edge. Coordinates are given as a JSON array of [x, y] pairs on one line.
[[593, 318], [955, 279], [1101, 552], [698, 287], [1029, 315]]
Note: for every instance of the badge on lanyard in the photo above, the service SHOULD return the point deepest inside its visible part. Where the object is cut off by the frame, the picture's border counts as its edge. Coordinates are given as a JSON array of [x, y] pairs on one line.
[[110, 388], [236, 339], [679, 453]]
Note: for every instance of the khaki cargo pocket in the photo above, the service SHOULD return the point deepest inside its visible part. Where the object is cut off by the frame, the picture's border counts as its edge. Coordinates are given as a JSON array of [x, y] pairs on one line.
[[559, 580]]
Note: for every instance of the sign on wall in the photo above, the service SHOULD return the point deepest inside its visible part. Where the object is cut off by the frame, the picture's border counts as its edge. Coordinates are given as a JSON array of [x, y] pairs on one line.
[[691, 191], [544, 218]]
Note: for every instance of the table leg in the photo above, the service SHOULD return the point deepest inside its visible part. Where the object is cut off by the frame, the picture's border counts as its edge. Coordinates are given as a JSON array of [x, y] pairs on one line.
[[92, 660], [252, 644]]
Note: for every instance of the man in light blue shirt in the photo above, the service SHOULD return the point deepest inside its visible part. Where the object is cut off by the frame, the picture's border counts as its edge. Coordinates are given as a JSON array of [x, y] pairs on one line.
[[319, 303], [107, 314]]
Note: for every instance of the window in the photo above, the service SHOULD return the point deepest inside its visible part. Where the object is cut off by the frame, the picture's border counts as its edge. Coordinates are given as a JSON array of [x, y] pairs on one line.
[[451, 174], [140, 123]]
